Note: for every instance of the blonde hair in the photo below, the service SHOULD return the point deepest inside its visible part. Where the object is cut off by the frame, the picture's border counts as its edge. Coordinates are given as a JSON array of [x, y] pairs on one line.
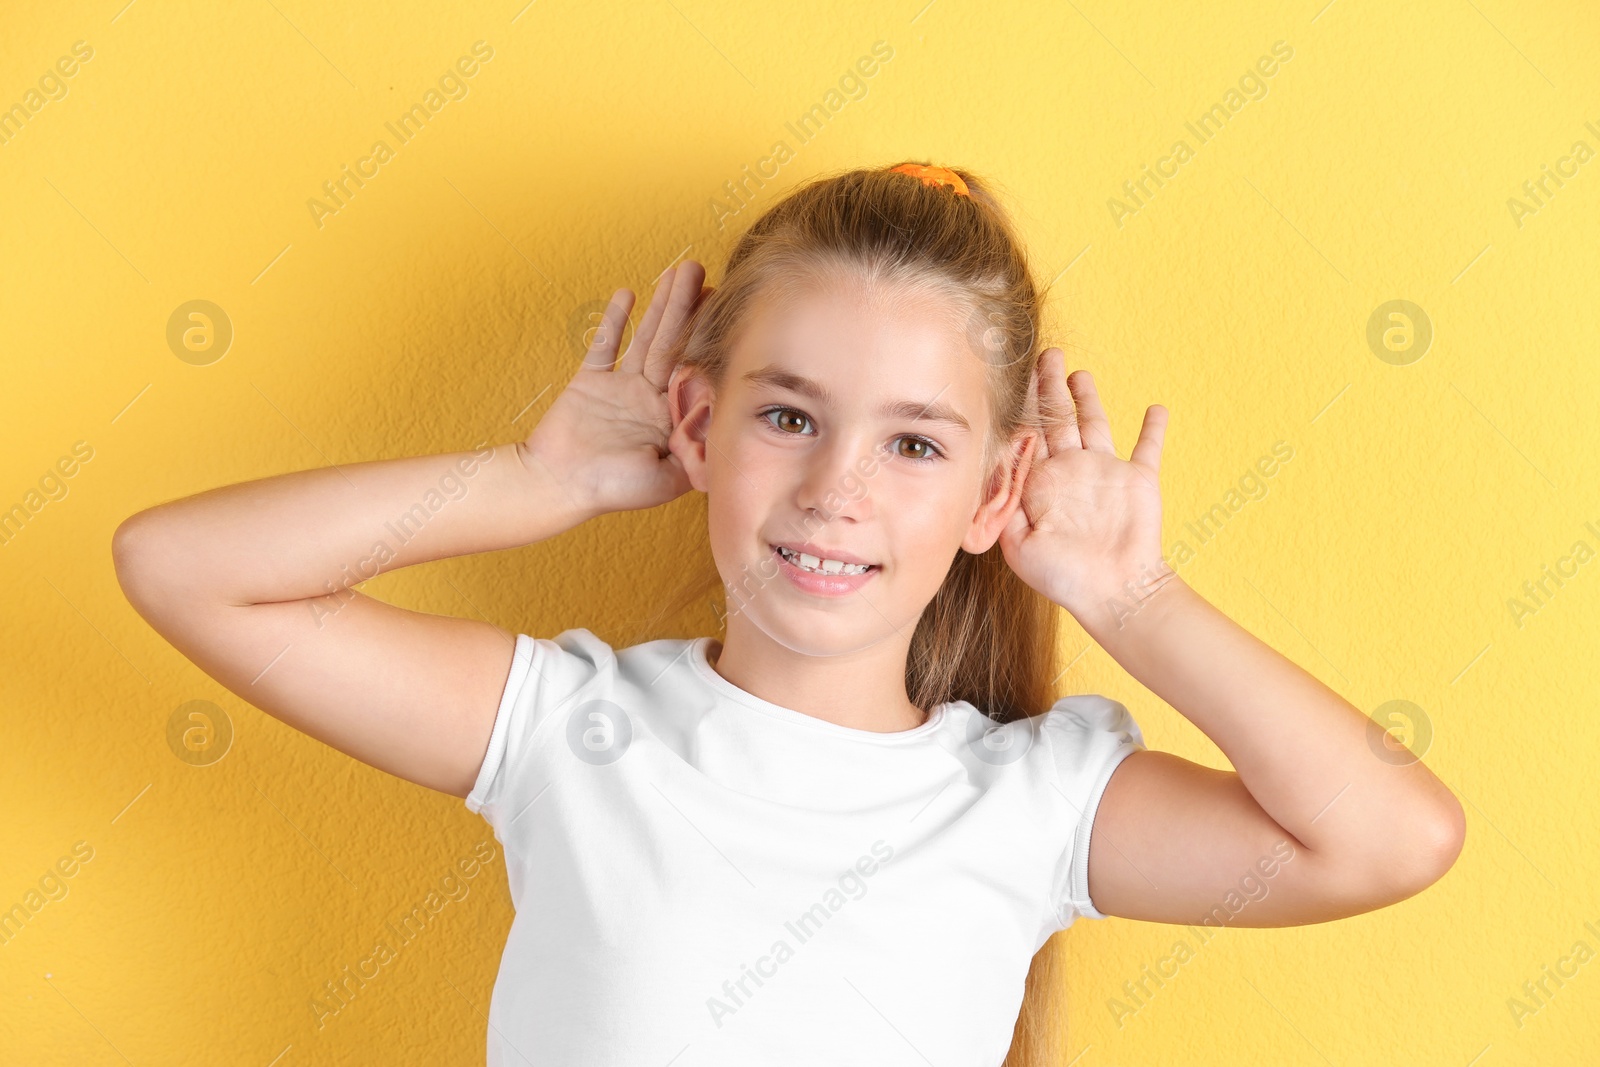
[[986, 637]]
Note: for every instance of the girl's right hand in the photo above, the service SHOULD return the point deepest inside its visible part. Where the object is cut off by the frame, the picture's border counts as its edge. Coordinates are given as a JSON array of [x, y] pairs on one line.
[[604, 439]]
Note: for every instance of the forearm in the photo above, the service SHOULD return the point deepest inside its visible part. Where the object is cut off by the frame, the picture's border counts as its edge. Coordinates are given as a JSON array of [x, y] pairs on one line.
[[311, 533], [1304, 753]]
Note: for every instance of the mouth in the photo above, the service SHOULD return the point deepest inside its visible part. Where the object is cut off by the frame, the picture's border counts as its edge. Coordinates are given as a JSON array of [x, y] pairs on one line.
[[823, 575], [830, 566]]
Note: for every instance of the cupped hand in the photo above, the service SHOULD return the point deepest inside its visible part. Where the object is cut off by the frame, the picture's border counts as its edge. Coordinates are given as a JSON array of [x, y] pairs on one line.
[[604, 439], [1090, 523]]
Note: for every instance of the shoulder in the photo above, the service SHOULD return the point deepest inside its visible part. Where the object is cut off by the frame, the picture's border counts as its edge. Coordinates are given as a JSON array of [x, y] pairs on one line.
[[546, 665], [1088, 713], [1068, 725], [1087, 735], [647, 661], [579, 643], [581, 652]]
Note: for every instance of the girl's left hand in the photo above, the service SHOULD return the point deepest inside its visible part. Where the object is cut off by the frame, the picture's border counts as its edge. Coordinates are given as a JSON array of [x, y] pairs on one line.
[[1089, 522]]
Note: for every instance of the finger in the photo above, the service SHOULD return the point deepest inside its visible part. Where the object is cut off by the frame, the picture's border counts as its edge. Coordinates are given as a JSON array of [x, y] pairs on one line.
[[602, 351], [1015, 530], [1022, 519], [1093, 425], [1034, 459], [680, 477], [633, 358], [1055, 404], [688, 288], [1147, 451], [661, 365], [1030, 405]]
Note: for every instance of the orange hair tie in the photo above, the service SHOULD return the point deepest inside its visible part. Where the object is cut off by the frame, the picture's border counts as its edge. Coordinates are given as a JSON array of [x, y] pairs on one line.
[[934, 176]]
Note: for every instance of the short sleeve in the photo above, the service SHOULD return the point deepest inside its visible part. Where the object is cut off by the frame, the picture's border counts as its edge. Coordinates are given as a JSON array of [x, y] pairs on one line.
[[1089, 736], [546, 679]]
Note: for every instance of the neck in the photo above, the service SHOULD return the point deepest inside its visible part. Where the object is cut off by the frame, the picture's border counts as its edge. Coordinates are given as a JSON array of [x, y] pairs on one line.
[[864, 689]]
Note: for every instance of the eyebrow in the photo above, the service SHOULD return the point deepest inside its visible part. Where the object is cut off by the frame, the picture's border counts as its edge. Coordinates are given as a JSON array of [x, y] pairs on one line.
[[932, 410]]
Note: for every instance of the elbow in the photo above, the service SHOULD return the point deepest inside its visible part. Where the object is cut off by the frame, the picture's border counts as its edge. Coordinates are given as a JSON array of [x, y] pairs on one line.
[[1448, 836], [1392, 865], [136, 552], [126, 546], [1431, 850]]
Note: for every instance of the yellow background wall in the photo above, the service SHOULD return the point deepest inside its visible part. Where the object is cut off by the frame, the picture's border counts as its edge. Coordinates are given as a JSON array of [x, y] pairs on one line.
[[451, 291]]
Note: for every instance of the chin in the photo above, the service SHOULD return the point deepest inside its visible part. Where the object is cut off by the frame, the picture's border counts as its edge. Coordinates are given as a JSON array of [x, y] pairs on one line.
[[766, 600], [817, 634]]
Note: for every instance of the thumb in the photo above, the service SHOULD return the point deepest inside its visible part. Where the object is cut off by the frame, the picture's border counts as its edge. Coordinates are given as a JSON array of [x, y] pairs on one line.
[[1016, 531], [674, 475]]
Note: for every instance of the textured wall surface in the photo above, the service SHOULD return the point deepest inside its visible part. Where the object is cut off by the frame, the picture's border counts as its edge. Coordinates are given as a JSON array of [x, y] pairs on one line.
[[1427, 534]]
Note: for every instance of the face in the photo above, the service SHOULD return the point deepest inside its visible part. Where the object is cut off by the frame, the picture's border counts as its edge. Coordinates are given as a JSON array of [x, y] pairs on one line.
[[843, 464]]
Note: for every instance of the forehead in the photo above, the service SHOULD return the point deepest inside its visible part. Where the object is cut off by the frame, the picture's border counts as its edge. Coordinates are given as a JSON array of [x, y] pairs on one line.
[[881, 338]]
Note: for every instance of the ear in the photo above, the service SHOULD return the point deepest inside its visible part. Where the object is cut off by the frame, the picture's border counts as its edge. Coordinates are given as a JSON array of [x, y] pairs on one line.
[[689, 399], [1004, 494]]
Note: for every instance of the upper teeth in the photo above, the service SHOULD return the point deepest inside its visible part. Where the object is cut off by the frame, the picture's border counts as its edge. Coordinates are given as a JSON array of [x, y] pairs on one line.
[[806, 561]]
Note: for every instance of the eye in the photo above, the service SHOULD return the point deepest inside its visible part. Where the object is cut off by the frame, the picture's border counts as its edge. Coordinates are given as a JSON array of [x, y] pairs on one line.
[[788, 418], [929, 451]]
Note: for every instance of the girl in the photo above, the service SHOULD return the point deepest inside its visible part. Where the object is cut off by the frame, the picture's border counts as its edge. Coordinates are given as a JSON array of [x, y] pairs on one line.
[[840, 832]]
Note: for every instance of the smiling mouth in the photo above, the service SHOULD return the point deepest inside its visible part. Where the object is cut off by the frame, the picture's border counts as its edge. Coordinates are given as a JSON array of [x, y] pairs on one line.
[[806, 562]]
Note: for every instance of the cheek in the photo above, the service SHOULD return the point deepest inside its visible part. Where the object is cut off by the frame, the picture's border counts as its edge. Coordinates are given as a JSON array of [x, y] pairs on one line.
[[742, 482], [728, 512], [930, 506], [926, 518]]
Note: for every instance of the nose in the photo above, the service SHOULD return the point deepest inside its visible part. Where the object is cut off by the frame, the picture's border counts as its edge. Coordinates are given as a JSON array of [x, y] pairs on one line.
[[834, 482]]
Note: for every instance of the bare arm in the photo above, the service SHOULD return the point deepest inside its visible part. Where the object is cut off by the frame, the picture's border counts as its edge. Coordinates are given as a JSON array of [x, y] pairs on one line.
[[1323, 820], [1316, 822], [251, 581]]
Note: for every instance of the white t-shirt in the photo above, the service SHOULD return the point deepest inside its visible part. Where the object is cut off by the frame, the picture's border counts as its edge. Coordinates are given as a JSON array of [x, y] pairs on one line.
[[702, 877]]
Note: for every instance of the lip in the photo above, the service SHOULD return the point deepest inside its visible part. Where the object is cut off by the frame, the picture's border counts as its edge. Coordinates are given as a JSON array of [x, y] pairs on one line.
[[823, 584]]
